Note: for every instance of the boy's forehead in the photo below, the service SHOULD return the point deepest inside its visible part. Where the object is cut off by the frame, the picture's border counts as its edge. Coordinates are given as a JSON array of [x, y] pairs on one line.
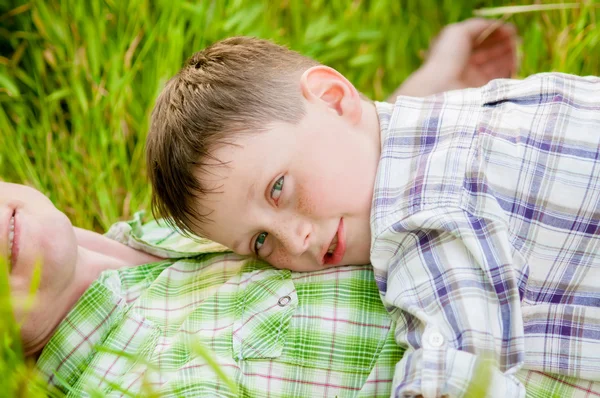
[[239, 161], [222, 223], [224, 198]]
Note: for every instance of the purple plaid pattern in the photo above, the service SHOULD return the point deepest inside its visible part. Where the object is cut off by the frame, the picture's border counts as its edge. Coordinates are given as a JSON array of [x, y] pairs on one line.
[[485, 233]]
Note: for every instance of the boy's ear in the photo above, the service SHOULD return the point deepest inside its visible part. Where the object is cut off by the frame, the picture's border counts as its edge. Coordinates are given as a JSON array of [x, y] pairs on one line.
[[326, 85]]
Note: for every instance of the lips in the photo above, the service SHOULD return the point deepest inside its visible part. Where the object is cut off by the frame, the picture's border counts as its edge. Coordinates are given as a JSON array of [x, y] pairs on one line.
[[337, 247]]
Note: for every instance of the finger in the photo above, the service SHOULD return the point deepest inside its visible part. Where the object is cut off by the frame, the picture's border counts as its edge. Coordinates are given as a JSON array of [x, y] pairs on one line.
[[495, 71], [482, 55], [481, 28], [503, 65], [496, 33], [511, 43], [474, 27], [504, 59], [500, 35], [501, 55]]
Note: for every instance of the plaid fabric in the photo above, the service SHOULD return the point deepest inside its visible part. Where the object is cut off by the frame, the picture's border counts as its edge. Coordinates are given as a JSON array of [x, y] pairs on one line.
[[485, 236], [274, 332]]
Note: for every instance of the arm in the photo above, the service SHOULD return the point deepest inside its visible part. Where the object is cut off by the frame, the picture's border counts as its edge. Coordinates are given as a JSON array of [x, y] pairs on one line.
[[465, 54], [454, 287], [101, 244]]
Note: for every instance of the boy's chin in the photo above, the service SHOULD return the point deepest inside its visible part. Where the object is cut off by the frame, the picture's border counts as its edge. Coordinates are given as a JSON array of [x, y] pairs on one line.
[[359, 259]]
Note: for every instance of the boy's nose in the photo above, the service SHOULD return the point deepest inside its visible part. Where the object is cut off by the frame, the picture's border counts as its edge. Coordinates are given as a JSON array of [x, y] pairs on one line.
[[295, 236]]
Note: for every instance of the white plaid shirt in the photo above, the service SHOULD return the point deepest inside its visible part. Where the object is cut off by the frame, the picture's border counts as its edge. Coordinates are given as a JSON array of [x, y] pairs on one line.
[[485, 234]]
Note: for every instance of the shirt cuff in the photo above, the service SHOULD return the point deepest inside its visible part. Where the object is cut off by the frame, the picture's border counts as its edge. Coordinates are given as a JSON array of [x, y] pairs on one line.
[[437, 370]]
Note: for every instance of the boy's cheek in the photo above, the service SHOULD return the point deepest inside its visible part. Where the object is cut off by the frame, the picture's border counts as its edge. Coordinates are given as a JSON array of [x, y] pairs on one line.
[[325, 196], [305, 203], [281, 260]]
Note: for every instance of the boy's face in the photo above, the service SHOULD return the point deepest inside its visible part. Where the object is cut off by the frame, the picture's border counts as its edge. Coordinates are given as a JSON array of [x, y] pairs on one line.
[[298, 196]]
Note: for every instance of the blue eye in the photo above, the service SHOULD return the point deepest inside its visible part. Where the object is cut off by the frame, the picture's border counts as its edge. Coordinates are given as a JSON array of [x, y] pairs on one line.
[[277, 188], [260, 240]]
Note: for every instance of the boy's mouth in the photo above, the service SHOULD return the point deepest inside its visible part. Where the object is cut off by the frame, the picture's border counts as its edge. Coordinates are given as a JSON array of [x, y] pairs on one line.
[[337, 248]]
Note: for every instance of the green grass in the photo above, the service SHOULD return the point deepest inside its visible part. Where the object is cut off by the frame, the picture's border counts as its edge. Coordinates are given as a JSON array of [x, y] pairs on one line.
[[78, 78], [17, 374]]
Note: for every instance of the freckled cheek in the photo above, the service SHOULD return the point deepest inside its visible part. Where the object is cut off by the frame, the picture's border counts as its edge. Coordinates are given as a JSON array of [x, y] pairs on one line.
[[319, 197], [314, 198], [305, 202], [280, 259]]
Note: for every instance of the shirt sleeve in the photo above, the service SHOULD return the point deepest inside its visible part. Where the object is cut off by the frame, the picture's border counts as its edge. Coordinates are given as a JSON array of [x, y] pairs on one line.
[[452, 283]]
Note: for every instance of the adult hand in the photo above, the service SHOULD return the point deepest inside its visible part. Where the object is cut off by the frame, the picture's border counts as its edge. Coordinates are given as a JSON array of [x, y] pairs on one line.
[[465, 54]]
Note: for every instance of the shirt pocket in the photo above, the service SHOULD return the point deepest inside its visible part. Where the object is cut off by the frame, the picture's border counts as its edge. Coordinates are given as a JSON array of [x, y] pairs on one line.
[[340, 326], [266, 302]]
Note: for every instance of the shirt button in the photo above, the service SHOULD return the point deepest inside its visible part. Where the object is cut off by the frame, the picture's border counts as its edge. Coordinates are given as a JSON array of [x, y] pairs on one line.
[[283, 301], [436, 339]]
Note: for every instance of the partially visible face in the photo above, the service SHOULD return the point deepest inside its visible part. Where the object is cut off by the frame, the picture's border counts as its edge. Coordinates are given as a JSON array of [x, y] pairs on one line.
[[34, 233], [298, 196]]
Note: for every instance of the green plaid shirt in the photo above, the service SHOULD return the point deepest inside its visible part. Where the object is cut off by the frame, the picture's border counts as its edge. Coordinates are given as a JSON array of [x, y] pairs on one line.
[[276, 333]]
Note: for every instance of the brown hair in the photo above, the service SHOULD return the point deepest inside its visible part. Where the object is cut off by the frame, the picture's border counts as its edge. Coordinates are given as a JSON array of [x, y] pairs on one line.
[[233, 86]]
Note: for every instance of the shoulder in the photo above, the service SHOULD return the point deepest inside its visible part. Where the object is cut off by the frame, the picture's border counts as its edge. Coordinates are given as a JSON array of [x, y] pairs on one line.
[[425, 156]]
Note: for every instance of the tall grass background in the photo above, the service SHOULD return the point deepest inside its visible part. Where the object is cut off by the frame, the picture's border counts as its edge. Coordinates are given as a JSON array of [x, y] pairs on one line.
[[78, 78]]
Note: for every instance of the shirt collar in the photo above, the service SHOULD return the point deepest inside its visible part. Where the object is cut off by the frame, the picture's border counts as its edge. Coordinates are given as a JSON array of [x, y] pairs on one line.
[[160, 239], [384, 112]]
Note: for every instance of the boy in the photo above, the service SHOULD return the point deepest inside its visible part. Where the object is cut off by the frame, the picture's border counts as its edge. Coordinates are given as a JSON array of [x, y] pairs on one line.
[[478, 209]]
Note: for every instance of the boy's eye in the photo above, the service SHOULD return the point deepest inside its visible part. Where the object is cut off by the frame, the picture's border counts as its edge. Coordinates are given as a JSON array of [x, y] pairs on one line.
[[277, 188], [260, 240]]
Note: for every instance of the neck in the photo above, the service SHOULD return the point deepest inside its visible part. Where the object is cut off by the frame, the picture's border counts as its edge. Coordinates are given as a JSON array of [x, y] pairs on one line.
[[90, 265], [370, 121]]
